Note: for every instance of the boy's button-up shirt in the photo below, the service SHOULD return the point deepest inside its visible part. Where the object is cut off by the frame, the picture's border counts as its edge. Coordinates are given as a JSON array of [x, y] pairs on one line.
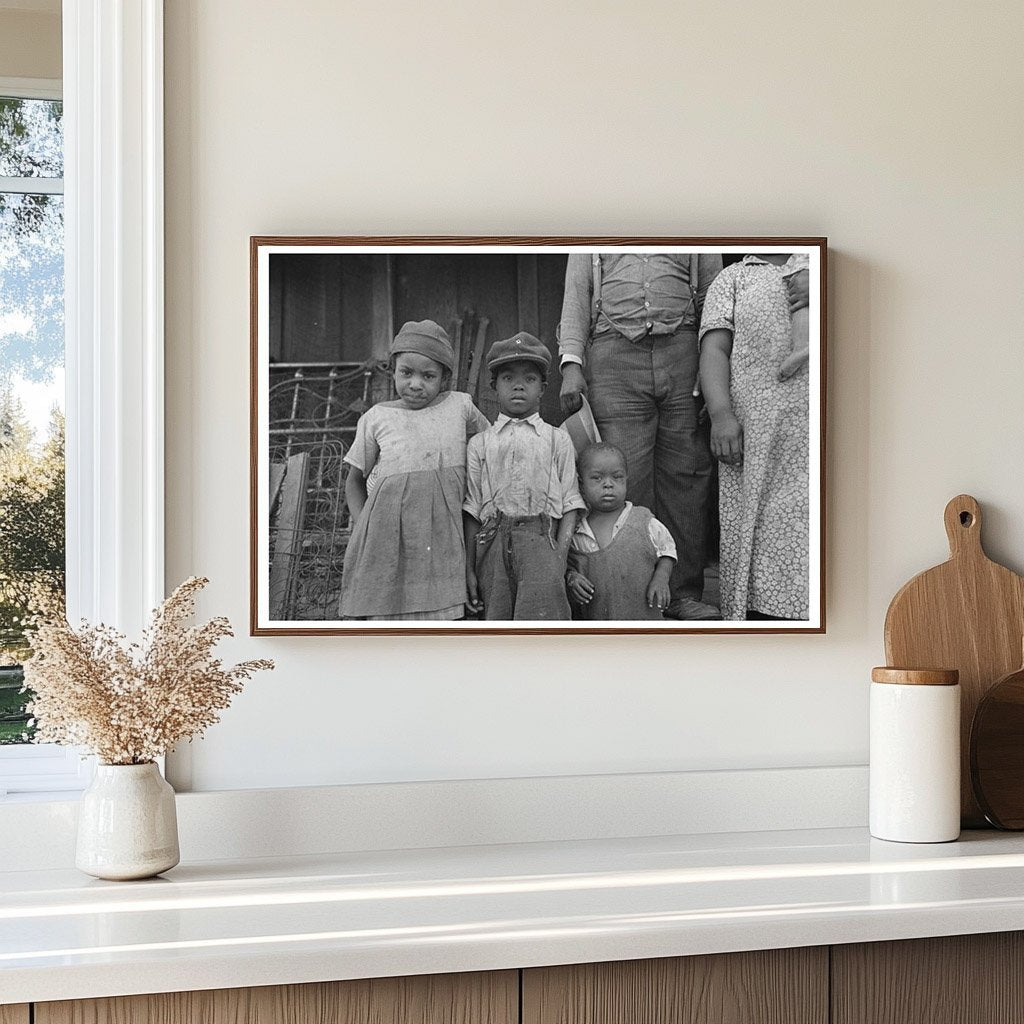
[[641, 294], [522, 467]]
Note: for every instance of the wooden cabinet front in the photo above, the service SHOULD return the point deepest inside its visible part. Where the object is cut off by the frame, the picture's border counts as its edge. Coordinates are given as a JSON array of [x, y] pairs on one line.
[[777, 986], [481, 998], [14, 1014], [960, 979]]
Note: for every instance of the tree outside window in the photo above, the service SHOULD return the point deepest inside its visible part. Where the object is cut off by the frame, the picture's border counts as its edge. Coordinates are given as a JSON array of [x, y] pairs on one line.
[[32, 543]]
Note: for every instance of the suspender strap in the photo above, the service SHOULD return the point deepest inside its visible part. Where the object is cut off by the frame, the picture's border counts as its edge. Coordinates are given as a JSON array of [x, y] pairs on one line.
[[595, 295]]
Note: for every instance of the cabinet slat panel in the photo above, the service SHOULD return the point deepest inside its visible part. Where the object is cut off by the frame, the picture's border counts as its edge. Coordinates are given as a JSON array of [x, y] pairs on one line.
[[14, 1014], [778, 986], [960, 979], [479, 998]]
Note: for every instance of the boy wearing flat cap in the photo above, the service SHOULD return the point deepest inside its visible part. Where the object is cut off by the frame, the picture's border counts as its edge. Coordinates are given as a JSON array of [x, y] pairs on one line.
[[522, 494]]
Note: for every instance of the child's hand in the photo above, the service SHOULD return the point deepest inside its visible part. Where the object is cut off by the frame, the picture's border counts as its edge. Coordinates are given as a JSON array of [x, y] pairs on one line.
[[727, 439], [795, 361], [581, 589], [798, 286], [473, 600], [658, 595]]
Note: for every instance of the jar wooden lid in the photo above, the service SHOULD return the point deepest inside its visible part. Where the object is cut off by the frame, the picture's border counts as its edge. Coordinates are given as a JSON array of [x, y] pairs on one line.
[[916, 676]]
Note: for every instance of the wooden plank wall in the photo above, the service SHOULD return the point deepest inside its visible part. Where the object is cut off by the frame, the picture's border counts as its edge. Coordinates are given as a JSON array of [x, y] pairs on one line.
[[322, 306], [329, 307]]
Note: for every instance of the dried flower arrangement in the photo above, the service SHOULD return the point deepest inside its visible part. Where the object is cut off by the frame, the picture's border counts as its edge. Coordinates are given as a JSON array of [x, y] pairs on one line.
[[129, 704]]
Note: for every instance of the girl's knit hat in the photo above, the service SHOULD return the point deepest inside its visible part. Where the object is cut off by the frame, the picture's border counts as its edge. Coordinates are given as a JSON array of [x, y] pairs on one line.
[[425, 338]]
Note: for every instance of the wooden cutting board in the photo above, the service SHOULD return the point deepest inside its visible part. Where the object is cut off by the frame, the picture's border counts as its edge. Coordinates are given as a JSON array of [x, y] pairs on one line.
[[967, 614]]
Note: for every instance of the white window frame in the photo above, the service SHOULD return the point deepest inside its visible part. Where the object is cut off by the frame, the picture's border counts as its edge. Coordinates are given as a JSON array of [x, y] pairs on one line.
[[114, 334]]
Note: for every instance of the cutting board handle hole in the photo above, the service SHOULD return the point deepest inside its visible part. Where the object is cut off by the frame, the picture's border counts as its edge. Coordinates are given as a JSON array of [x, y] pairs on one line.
[[966, 519]]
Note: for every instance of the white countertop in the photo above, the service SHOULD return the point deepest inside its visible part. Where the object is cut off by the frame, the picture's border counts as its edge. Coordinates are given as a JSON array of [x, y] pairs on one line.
[[223, 924]]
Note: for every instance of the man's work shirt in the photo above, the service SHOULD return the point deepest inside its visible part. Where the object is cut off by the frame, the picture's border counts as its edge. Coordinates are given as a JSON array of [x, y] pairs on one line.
[[641, 294], [522, 467]]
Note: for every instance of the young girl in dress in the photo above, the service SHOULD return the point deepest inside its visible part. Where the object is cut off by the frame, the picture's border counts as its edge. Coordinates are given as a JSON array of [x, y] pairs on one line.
[[406, 483]]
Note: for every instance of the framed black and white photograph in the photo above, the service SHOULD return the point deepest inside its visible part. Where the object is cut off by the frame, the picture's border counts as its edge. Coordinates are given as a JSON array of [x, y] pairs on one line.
[[537, 435]]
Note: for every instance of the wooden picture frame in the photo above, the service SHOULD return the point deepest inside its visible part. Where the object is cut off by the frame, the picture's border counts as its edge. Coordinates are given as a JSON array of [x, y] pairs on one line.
[[324, 311]]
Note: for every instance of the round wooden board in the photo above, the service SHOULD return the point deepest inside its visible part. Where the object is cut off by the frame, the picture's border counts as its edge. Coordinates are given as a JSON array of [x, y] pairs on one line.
[[997, 752]]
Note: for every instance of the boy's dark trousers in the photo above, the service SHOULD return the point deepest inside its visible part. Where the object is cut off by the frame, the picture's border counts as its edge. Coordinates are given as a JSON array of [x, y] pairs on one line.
[[518, 569]]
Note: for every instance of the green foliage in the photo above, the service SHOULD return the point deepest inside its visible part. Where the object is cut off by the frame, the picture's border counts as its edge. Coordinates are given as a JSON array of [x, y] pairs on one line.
[[14, 727], [32, 525]]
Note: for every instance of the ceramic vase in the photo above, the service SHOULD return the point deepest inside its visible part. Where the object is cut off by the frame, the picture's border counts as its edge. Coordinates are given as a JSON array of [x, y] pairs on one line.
[[127, 825]]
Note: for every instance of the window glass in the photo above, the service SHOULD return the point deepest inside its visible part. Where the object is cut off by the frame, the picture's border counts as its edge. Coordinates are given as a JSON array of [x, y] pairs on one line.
[[31, 138], [31, 387]]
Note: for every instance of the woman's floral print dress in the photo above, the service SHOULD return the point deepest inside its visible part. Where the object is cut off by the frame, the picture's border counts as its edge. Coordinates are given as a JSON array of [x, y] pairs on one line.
[[764, 502]]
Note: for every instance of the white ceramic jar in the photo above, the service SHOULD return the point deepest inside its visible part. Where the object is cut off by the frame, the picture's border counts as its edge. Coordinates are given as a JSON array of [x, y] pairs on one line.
[[127, 823], [915, 755]]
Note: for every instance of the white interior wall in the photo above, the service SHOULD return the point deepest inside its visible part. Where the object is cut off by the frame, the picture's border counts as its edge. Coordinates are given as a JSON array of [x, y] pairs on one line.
[[895, 130]]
